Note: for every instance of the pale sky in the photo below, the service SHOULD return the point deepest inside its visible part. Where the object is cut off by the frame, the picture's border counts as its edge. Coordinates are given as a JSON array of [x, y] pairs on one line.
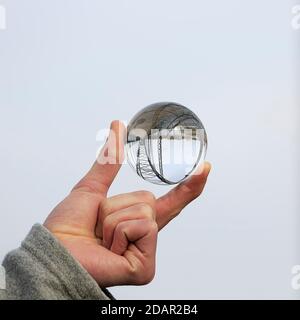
[[67, 68]]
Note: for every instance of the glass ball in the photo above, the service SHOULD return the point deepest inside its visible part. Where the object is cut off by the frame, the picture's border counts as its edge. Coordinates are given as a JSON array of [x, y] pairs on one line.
[[165, 143]]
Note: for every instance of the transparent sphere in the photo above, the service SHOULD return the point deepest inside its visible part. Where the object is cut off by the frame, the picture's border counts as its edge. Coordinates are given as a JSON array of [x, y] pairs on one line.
[[165, 143]]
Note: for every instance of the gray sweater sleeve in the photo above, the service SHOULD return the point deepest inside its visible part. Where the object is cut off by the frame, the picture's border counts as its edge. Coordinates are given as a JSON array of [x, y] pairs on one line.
[[42, 269]]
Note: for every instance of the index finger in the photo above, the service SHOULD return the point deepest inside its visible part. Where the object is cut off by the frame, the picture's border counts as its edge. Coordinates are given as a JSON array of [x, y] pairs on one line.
[[171, 204], [108, 163]]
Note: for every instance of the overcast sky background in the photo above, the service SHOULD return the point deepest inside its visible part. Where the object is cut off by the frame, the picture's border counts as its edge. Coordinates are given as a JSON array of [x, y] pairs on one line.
[[67, 68]]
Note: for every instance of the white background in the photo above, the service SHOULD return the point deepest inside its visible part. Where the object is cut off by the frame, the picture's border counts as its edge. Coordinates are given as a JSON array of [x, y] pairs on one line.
[[67, 68]]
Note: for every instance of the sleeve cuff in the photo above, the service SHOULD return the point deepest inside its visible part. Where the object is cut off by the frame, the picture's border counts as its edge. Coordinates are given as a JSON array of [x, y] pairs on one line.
[[74, 280]]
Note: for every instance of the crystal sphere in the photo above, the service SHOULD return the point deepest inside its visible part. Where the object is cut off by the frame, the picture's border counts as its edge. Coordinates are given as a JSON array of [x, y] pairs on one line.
[[165, 143]]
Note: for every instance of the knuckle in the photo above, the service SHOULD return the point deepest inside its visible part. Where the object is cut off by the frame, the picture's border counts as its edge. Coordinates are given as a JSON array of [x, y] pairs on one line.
[[153, 226], [120, 227], [104, 206], [107, 228], [145, 209], [147, 196], [142, 275], [107, 223], [149, 276]]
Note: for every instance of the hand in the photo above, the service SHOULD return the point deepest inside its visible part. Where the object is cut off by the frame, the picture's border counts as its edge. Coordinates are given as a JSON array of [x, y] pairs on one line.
[[114, 239]]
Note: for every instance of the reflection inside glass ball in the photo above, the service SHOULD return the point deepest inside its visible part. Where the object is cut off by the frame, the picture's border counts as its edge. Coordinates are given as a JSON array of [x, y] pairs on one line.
[[165, 143]]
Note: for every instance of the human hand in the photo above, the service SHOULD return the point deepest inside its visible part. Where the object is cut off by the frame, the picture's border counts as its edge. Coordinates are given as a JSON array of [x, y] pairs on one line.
[[114, 238]]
